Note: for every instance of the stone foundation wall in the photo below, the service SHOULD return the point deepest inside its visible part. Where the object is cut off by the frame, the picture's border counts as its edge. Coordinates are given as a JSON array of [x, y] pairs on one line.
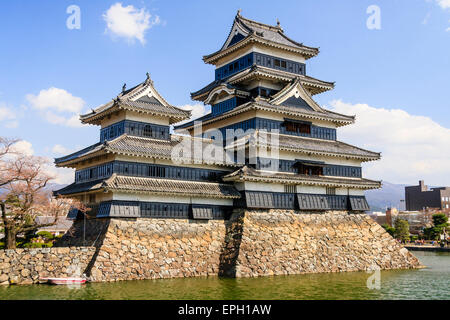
[[27, 266], [280, 242], [250, 244], [159, 248]]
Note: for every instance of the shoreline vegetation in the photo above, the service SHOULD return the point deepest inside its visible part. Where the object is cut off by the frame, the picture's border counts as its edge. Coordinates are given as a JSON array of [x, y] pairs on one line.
[[42, 239]]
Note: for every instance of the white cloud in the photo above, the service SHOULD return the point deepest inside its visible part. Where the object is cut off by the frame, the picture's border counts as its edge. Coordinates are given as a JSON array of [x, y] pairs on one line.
[[61, 175], [129, 22], [60, 101], [24, 147], [59, 149], [444, 4], [71, 121], [8, 116], [57, 99], [413, 147], [197, 111]]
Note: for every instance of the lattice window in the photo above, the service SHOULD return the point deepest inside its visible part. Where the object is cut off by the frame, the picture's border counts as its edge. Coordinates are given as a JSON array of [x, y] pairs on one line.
[[290, 188], [148, 131]]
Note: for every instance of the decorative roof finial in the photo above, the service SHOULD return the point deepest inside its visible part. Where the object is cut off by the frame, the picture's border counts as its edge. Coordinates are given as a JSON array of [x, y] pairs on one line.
[[148, 80], [124, 87], [239, 12], [278, 22]]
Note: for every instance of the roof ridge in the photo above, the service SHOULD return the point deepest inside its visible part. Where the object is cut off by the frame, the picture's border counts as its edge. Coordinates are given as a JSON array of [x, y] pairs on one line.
[[265, 25]]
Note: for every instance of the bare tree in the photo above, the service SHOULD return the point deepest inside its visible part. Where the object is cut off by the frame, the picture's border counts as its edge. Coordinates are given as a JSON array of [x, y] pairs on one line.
[[24, 194]]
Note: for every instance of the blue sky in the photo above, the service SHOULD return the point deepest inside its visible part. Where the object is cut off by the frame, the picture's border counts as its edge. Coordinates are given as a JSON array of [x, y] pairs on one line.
[[399, 75]]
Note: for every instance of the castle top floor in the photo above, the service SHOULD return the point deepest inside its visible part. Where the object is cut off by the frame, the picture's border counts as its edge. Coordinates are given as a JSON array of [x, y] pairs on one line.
[[269, 41]]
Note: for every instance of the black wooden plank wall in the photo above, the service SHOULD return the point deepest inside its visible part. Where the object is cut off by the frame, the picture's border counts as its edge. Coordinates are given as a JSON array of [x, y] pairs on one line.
[[302, 201], [136, 209]]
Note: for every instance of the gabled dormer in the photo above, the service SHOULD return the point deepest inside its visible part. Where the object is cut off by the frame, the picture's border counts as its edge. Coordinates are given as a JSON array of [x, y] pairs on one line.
[[295, 95], [139, 111]]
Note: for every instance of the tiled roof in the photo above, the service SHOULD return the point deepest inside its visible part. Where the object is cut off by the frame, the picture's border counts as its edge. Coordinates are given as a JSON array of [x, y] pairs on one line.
[[305, 145], [261, 104], [137, 99], [314, 85], [272, 33], [171, 187], [208, 88], [86, 152], [143, 147], [325, 114], [80, 187], [250, 174], [254, 31], [157, 108], [133, 145]]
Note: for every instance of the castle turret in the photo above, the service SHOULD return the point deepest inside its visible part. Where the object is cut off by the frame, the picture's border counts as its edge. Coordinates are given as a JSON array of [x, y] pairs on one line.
[[130, 172]]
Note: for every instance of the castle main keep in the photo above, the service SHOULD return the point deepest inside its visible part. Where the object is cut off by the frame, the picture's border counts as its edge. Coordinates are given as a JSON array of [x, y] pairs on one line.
[[261, 185]]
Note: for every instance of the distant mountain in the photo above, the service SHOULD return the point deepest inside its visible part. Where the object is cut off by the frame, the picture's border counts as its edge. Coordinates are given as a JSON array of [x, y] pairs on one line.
[[388, 196], [55, 186]]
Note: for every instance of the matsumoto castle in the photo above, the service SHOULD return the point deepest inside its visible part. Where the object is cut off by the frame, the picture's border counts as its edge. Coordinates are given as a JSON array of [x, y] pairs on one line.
[[266, 144]]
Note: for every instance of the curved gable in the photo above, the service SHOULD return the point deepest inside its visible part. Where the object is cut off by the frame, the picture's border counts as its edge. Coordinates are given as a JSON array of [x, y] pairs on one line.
[[296, 95]]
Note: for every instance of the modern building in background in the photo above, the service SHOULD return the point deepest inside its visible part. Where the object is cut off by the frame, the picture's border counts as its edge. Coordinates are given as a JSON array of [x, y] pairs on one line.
[[262, 93], [417, 220], [421, 197]]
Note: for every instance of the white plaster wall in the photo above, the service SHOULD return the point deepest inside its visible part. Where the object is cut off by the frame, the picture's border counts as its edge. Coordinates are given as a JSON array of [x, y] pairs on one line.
[[130, 115], [113, 118], [311, 189], [341, 191], [356, 192], [349, 191], [261, 186]]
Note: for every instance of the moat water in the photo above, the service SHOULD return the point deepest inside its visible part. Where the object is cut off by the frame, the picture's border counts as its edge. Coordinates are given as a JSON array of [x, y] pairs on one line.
[[432, 282]]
